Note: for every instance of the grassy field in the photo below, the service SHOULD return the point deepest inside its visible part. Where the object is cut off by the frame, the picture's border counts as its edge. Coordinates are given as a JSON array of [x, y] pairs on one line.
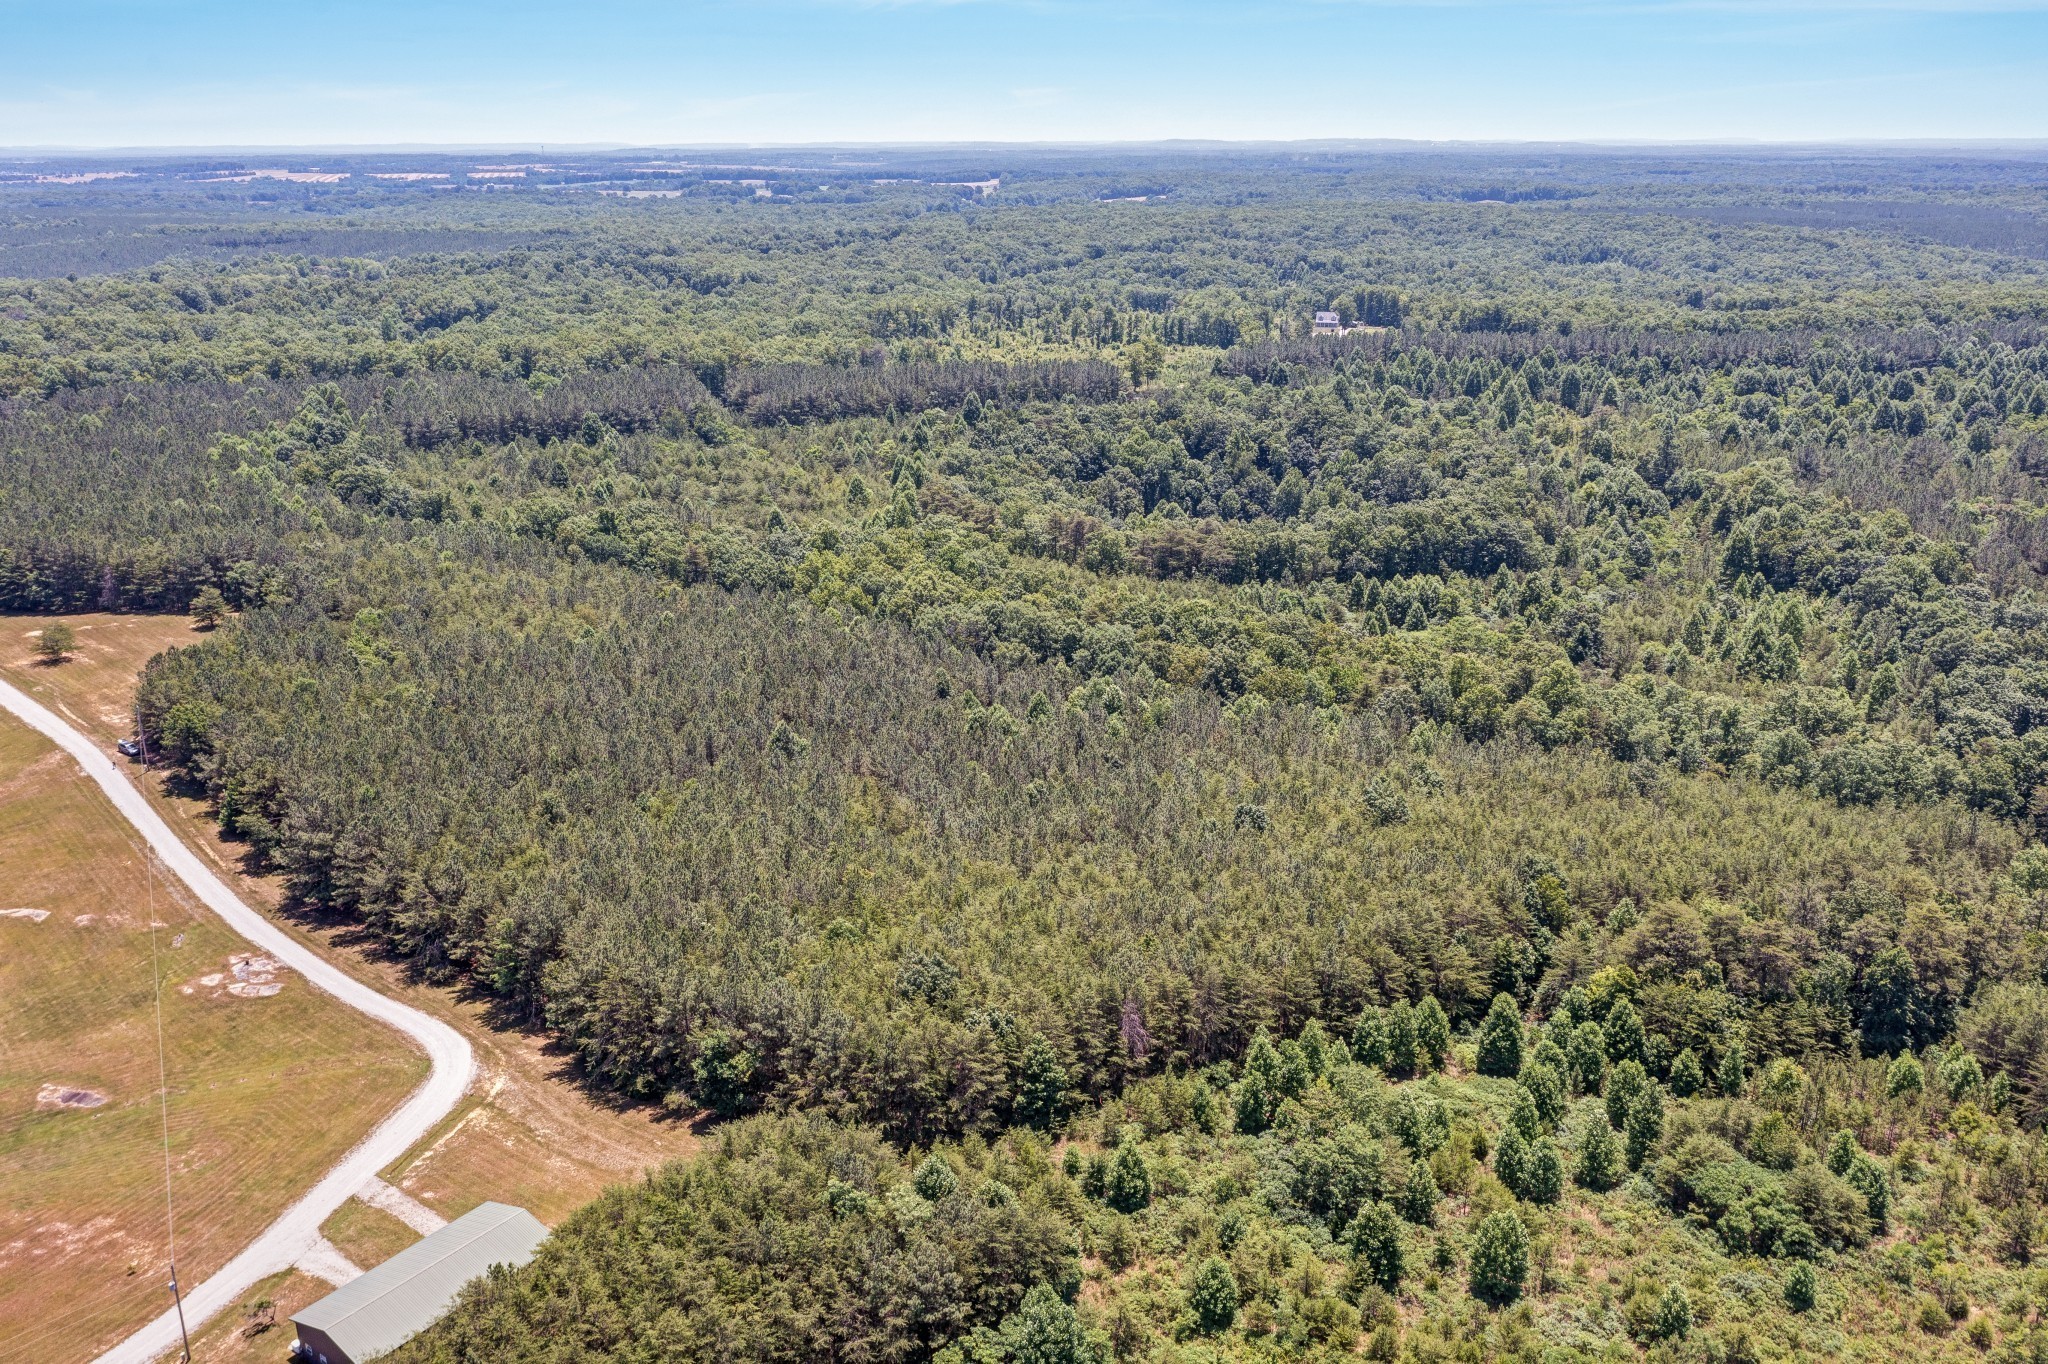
[[531, 1134], [266, 1088]]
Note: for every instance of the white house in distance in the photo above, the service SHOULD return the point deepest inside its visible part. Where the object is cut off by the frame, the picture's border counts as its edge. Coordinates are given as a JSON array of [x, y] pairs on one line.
[[1326, 324]]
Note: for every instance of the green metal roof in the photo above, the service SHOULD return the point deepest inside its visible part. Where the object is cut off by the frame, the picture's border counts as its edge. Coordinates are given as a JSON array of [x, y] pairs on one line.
[[408, 1292]]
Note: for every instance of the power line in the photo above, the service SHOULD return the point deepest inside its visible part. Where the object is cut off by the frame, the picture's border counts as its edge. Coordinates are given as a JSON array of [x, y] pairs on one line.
[[163, 1082]]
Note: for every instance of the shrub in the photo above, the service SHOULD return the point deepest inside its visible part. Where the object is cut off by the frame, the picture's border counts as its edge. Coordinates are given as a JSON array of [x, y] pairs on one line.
[[1802, 1287], [1674, 1314], [934, 1178], [1904, 1078], [1500, 1258]]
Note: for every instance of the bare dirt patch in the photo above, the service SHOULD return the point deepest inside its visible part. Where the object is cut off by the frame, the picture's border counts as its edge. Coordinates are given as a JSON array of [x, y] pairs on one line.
[[249, 975], [68, 1096]]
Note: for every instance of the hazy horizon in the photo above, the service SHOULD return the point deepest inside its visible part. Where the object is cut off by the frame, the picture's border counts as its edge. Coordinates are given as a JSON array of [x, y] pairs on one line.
[[118, 74]]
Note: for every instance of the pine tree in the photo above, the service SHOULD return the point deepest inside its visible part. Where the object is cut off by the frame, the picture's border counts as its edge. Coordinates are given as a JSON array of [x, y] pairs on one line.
[[1629, 1080], [1674, 1314], [1599, 1158], [1127, 1186], [1500, 1258], [1645, 1126], [1376, 1239], [1543, 1173], [1432, 1032], [1587, 1052], [1419, 1195], [1212, 1296], [1402, 1051], [934, 1178], [1730, 1074], [1624, 1033], [1802, 1287], [1510, 1158], [1044, 1330], [1545, 1089], [1369, 1039], [1500, 1038], [1041, 1086], [1686, 1077], [1523, 1115]]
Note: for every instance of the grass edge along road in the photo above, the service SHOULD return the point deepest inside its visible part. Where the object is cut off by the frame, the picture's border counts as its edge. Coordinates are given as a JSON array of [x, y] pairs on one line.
[[296, 1230]]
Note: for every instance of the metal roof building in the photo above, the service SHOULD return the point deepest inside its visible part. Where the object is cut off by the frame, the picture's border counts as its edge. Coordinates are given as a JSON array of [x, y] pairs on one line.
[[408, 1292]]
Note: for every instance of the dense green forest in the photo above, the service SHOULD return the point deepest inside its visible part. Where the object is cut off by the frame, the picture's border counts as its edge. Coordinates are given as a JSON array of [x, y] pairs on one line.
[[1122, 807]]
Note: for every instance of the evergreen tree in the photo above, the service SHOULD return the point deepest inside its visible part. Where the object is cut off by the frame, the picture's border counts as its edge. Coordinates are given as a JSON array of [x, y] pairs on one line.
[[1904, 1078], [1500, 1038], [55, 641], [1599, 1158], [1523, 1115], [1369, 1044], [1260, 1091], [1045, 1330], [1432, 1032], [1733, 1066], [1842, 1152], [1041, 1086], [1802, 1286], [1543, 1173], [1868, 1178], [1419, 1195], [1891, 1012], [1510, 1157], [1645, 1126], [1500, 1259], [1629, 1080], [1127, 1186], [934, 1178], [1623, 1032], [1376, 1241], [1402, 1050], [1587, 1052], [1686, 1077], [1546, 1093], [1674, 1314], [1213, 1297]]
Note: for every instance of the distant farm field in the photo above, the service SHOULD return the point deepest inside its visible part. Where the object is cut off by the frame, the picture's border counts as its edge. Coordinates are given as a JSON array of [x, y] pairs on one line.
[[270, 1082]]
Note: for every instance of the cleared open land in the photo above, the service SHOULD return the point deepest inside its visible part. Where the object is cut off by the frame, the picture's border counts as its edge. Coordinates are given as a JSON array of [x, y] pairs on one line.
[[270, 1082], [532, 1134]]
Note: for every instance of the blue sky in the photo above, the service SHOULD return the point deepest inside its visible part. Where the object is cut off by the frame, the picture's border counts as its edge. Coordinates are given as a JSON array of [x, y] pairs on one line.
[[290, 72]]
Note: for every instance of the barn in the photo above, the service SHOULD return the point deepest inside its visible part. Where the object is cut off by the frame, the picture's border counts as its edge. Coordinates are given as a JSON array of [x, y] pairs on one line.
[[408, 1292]]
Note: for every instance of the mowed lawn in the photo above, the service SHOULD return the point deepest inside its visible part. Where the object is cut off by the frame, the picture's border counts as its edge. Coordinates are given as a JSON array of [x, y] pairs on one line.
[[266, 1088], [530, 1134]]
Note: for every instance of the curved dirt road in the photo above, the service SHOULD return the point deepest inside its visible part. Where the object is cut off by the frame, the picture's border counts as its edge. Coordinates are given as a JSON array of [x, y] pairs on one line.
[[292, 1234]]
